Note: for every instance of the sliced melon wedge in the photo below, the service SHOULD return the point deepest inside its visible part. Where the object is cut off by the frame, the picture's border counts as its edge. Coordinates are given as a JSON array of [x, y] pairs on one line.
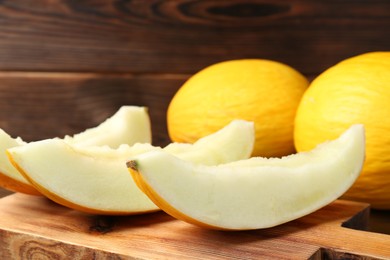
[[96, 179], [10, 178], [254, 193], [92, 180], [129, 125], [233, 142]]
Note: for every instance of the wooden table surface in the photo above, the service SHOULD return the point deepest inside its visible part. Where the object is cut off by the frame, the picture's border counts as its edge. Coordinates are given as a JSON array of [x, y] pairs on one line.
[[32, 227], [379, 220]]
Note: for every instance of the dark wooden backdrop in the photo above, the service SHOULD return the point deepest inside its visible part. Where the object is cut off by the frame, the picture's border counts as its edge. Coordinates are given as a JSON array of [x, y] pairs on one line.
[[67, 65]]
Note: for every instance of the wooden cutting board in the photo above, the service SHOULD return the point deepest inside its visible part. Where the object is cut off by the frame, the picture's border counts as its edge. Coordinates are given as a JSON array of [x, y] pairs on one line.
[[36, 228]]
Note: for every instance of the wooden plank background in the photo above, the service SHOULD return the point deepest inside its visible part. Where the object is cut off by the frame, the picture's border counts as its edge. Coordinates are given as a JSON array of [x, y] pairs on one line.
[[66, 65], [42, 105], [182, 36]]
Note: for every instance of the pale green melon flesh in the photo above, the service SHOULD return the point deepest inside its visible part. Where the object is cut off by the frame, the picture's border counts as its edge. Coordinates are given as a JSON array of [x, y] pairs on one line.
[[97, 179], [233, 142], [255, 193], [6, 168], [129, 125], [94, 180]]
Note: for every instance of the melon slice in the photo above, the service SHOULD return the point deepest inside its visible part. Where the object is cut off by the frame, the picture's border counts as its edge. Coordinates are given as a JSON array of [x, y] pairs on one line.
[[129, 125], [10, 178], [96, 179], [233, 142], [254, 193]]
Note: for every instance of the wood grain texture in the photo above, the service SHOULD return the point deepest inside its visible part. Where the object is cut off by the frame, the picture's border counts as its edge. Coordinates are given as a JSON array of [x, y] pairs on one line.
[[34, 228], [4, 192], [183, 36], [36, 106]]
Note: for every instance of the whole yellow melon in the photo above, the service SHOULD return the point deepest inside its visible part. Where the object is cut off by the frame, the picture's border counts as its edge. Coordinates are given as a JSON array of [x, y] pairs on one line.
[[263, 91], [356, 90]]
